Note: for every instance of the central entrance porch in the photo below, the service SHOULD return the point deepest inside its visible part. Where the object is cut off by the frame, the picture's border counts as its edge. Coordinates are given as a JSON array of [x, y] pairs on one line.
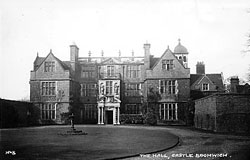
[[108, 113]]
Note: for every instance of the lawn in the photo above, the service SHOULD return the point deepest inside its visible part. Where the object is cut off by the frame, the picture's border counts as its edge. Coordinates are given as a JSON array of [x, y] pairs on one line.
[[102, 142]]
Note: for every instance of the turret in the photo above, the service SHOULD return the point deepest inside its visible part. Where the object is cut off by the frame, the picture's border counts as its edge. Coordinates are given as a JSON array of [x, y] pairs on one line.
[[181, 54]]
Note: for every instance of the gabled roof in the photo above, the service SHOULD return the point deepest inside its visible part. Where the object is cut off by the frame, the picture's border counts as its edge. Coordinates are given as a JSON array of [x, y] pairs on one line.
[[40, 60], [194, 78], [65, 66], [67, 63], [216, 79], [155, 61]]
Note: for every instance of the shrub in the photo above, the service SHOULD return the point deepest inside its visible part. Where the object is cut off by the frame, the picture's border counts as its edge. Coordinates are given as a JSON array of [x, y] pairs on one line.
[[150, 118], [131, 119]]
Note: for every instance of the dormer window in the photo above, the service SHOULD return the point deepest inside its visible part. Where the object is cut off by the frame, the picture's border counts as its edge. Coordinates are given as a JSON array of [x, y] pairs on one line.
[[49, 66], [205, 87], [167, 64]]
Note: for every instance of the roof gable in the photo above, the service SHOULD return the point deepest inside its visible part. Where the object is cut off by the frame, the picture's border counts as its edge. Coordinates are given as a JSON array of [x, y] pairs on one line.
[[111, 61], [176, 70], [51, 55], [213, 79], [168, 54], [204, 78]]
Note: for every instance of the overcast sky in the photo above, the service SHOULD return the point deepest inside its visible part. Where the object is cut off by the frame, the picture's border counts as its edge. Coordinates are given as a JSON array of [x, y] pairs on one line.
[[213, 31]]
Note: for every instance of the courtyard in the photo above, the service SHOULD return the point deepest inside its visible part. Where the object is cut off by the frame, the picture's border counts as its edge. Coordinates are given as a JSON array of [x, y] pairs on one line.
[[124, 142], [101, 142]]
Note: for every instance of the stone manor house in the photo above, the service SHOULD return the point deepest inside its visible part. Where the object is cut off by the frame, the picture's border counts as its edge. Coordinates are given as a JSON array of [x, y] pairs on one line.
[[100, 89]]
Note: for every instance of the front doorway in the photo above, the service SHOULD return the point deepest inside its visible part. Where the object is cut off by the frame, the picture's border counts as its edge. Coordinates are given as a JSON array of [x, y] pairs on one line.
[[109, 117]]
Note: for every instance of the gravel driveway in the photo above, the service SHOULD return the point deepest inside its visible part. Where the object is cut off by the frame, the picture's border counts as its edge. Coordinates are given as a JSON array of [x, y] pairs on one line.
[[201, 145]]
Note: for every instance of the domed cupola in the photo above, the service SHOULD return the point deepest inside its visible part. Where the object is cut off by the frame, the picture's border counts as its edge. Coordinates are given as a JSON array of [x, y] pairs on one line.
[[181, 54], [180, 48]]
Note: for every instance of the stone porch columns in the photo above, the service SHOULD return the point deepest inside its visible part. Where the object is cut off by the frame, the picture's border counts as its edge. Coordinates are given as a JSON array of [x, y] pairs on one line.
[[99, 115], [102, 115], [118, 115]]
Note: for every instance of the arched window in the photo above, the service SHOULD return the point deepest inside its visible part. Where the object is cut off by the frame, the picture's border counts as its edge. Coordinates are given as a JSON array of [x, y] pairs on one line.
[[185, 59], [180, 57]]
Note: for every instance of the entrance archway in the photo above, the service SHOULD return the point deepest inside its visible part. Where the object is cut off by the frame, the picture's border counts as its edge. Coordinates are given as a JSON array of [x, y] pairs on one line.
[[109, 117]]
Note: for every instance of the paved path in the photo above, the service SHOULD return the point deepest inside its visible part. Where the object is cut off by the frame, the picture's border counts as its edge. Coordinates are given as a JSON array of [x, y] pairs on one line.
[[197, 144]]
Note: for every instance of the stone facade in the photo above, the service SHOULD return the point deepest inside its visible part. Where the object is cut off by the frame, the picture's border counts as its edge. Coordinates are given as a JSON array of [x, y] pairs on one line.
[[56, 86], [223, 113], [99, 89]]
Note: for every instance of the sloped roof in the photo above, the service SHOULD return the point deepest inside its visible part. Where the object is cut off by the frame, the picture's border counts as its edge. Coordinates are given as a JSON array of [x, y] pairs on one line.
[[156, 60], [67, 63], [194, 78], [153, 61], [39, 60], [215, 78], [65, 66]]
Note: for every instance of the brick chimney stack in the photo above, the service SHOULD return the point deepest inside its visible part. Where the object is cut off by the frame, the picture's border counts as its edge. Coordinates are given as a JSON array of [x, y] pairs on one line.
[[74, 51], [234, 81], [147, 55], [200, 68]]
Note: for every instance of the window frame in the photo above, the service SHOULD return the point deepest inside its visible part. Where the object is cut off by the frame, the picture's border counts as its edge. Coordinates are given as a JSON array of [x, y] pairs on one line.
[[88, 90], [48, 111], [110, 70], [132, 109], [48, 88], [205, 87], [168, 64], [49, 66], [168, 87], [109, 87], [133, 71], [168, 111], [132, 89]]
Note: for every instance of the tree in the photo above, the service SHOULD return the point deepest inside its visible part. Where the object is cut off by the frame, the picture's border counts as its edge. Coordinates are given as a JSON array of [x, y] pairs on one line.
[[150, 107], [228, 85], [247, 50], [248, 74]]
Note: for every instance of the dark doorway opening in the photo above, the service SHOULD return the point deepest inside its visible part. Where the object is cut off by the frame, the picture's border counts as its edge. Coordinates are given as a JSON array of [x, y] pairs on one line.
[[109, 117]]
